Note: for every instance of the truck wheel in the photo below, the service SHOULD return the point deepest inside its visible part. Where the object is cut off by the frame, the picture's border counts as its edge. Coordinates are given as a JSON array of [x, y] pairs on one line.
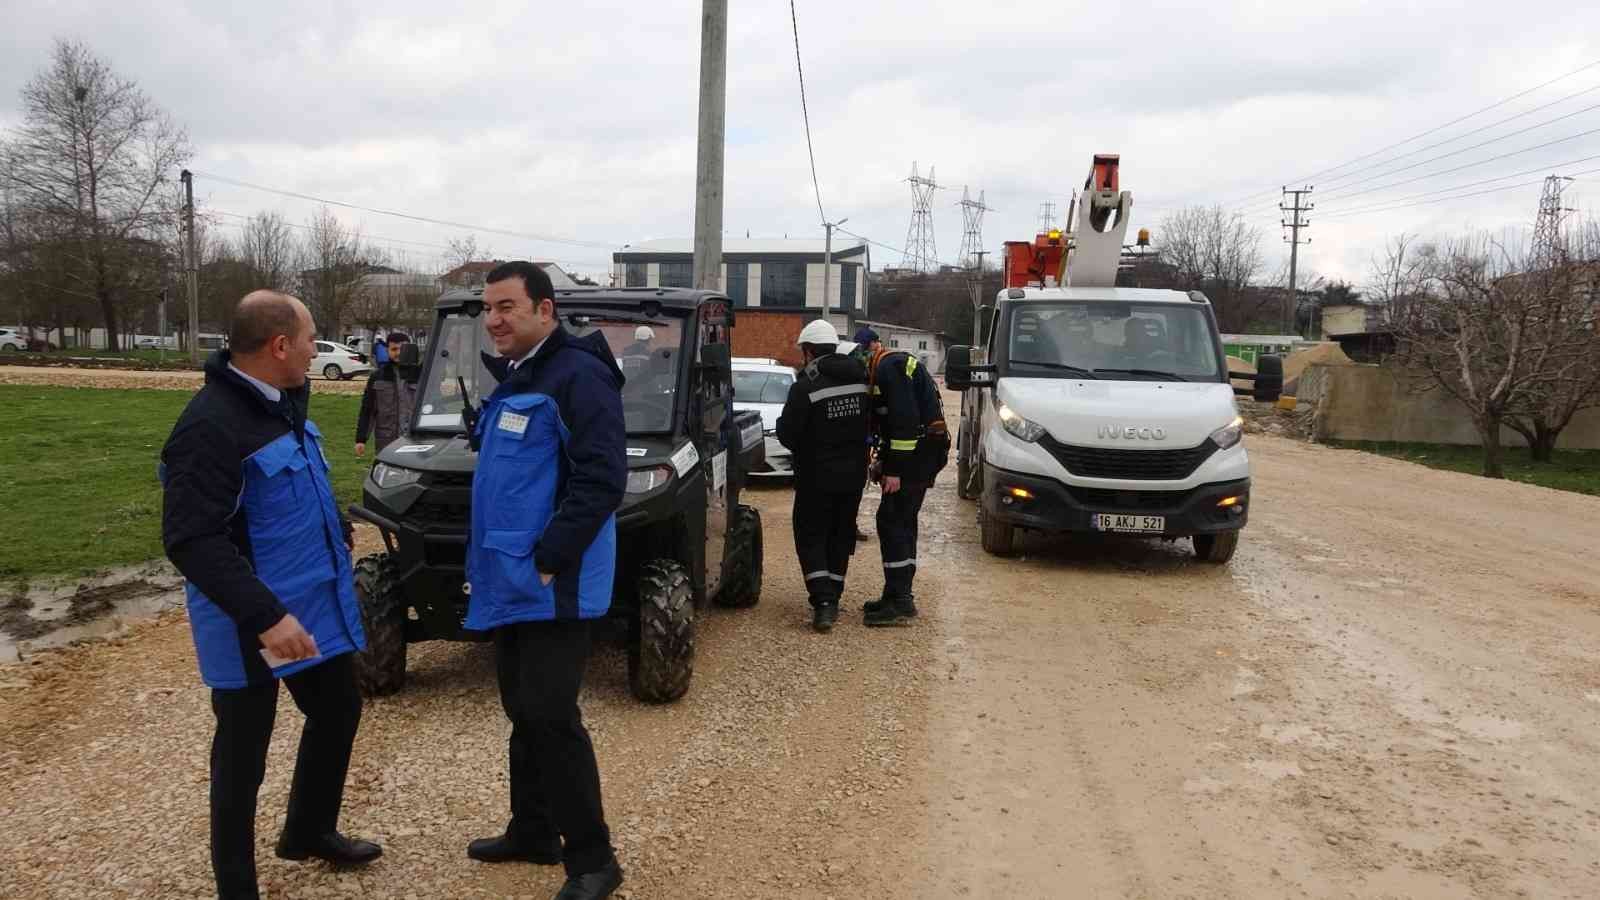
[[969, 483], [381, 668], [998, 537], [1216, 548], [743, 588], [661, 657]]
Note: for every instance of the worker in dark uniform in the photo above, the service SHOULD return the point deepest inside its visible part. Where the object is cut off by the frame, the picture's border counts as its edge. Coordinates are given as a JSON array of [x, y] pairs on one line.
[[250, 519], [389, 398], [541, 559], [913, 445], [824, 424]]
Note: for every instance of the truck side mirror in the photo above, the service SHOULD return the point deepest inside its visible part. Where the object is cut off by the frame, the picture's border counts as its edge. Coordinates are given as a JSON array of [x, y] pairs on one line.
[[958, 367]]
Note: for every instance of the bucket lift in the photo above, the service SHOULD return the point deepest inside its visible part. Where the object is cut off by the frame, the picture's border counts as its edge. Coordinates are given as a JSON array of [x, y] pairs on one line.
[[1089, 255]]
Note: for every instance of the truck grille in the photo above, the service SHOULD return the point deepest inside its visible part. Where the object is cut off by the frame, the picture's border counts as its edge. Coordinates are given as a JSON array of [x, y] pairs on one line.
[[1135, 465], [434, 514]]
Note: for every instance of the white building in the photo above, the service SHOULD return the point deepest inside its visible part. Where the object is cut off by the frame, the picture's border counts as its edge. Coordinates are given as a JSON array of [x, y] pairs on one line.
[[784, 274], [927, 346]]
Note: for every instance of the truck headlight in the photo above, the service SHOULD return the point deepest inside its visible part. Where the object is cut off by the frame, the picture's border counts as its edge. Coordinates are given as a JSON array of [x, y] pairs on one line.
[[387, 476], [643, 481], [1229, 434], [1017, 425]]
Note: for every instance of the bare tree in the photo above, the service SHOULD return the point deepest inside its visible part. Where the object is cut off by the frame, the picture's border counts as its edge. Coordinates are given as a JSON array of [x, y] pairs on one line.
[[92, 155], [266, 245], [1568, 286], [333, 258], [1219, 253]]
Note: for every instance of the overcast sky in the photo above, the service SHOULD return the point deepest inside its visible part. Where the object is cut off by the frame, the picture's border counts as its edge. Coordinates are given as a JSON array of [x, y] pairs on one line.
[[578, 120]]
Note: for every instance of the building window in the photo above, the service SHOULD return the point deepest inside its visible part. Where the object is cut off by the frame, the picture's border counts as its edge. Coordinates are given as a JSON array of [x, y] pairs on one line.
[[738, 285], [677, 274], [922, 345], [847, 287], [894, 342], [633, 275], [783, 284]]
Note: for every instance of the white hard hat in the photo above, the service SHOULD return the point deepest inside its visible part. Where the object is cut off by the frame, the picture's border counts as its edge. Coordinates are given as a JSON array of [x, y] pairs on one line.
[[643, 333], [818, 332], [846, 347]]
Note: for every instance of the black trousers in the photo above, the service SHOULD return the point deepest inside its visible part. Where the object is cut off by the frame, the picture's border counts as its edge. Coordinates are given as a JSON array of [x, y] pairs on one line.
[[897, 537], [328, 696], [824, 538], [555, 781]]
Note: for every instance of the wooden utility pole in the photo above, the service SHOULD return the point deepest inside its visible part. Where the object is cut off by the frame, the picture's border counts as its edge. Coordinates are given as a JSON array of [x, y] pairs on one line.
[[708, 169], [192, 268]]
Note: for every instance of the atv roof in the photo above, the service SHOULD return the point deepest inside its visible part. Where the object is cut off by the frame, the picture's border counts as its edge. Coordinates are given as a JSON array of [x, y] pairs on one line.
[[675, 298]]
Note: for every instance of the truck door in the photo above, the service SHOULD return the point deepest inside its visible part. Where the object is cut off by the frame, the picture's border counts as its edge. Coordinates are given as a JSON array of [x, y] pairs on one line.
[[715, 401]]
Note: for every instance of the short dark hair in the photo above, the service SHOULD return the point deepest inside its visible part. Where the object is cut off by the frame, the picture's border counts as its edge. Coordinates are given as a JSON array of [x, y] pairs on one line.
[[397, 337], [821, 349], [535, 281], [260, 317]]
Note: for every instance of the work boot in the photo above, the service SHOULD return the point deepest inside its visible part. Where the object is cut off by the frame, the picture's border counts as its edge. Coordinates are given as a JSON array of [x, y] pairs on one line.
[[888, 611], [592, 885], [824, 614]]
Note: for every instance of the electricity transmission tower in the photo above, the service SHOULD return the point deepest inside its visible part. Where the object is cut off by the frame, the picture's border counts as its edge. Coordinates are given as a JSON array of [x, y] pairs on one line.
[[1047, 217], [972, 232], [1548, 234], [920, 255]]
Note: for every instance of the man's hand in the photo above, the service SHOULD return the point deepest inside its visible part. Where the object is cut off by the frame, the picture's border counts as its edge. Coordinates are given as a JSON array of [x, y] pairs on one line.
[[891, 483], [287, 640], [545, 578], [361, 448]]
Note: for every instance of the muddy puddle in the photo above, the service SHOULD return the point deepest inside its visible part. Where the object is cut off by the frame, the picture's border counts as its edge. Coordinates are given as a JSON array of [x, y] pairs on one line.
[[55, 615]]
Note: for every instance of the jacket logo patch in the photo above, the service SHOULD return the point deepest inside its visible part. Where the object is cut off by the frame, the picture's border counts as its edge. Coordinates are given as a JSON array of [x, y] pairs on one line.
[[513, 423]]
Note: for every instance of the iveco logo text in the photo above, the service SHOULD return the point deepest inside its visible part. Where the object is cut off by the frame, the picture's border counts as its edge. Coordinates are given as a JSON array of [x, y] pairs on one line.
[[1132, 433]]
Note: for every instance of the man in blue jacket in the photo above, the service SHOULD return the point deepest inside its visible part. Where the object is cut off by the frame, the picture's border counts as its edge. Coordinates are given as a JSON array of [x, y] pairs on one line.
[[250, 520], [541, 557]]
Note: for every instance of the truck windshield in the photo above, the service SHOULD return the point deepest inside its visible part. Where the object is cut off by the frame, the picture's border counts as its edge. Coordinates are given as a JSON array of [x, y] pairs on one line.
[[1113, 340], [647, 355]]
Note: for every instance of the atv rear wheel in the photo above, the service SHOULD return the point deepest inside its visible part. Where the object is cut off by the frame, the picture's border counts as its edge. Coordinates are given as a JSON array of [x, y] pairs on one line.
[[743, 587], [1216, 548], [381, 668], [661, 657]]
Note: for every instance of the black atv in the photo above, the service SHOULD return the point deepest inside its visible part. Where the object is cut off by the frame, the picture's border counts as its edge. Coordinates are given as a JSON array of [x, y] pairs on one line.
[[683, 539]]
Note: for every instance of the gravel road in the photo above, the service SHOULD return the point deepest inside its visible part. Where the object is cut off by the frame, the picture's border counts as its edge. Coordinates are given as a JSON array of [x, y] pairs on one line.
[[135, 378], [1391, 692]]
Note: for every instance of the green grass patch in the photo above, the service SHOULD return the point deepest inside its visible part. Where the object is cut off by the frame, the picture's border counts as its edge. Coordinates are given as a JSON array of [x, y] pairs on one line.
[[79, 492], [1571, 470]]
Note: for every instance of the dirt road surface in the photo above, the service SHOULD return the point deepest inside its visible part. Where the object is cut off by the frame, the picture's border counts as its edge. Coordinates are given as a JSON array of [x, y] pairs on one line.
[[136, 378], [1392, 692]]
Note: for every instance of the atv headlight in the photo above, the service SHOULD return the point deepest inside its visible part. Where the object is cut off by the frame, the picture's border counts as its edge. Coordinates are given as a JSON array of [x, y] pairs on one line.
[[387, 476], [1017, 425], [643, 481], [1229, 434]]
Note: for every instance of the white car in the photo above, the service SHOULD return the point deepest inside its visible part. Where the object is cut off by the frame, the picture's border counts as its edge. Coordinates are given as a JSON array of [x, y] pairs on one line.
[[762, 385], [11, 340], [337, 363]]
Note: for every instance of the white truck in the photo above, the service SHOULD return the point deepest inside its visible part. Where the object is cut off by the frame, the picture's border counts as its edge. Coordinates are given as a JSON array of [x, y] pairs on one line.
[[1096, 408]]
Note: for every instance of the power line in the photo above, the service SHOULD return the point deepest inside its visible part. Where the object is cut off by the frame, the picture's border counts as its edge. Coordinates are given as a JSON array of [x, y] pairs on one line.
[[545, 238], [1433, 130], [794, 18], [1507, 187], [1472, 184]]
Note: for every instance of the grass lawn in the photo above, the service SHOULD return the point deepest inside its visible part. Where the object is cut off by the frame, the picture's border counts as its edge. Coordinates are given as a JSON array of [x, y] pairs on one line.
[[1571, 470], [79, 491], [150, 355]]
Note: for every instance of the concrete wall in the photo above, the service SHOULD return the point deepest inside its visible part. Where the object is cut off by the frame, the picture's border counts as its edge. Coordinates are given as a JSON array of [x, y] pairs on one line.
[[1370, 403]]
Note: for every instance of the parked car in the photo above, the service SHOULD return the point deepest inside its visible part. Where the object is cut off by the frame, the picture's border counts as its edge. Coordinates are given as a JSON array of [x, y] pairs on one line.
[[337, 363], [761, 385], [11, 340]]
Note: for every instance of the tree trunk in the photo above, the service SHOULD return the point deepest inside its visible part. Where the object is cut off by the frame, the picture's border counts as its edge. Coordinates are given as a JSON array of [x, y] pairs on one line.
[[1489, 428], [1544, 442]]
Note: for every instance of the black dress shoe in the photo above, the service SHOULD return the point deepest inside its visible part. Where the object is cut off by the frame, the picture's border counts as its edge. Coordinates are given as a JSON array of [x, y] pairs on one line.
[[333, 847], [592, 885], [504, 849]]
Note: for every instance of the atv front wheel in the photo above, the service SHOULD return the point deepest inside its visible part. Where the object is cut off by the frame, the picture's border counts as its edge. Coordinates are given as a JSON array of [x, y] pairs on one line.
[[743, 587], [661, 657], [381, 668]]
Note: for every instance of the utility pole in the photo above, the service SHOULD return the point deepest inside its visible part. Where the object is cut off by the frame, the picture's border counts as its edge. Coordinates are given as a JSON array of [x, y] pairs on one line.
[[1294, 224], [827, 262], [713, 133], [161, 325], [975, 286], [193, 268]]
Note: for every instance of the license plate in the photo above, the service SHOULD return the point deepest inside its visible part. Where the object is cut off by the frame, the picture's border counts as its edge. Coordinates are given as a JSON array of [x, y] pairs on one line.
[[1134, 524]]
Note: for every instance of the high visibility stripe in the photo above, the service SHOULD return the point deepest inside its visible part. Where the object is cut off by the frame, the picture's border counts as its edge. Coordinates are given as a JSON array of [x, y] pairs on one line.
[[876, 390], [903, 445], [844, 390], [900, 565], [813, 576], [911, 364]]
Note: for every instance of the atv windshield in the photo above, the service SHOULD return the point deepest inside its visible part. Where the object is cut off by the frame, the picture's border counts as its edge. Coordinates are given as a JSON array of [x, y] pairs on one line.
[[1113, 341], [647, 355]]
